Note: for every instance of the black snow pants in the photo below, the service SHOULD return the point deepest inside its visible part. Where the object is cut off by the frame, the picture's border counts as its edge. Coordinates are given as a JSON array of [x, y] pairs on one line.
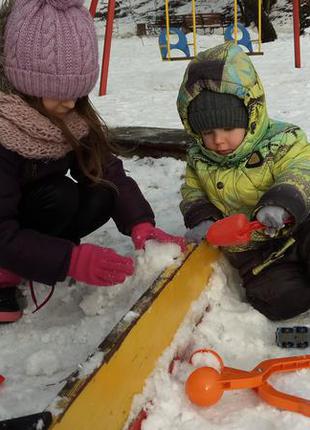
[[60, 207], [282, 289]]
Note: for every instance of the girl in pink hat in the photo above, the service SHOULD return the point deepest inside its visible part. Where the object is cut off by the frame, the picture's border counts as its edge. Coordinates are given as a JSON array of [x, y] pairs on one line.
[[47, 128]]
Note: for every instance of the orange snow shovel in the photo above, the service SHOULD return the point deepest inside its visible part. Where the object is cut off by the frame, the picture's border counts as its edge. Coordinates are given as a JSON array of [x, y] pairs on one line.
[[232, 230], [205, 385]]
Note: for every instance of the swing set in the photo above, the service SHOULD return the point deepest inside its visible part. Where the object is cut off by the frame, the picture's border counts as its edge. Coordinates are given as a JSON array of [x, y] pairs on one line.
[[245, 39], [164, 37], [167, 45], [231, 33]]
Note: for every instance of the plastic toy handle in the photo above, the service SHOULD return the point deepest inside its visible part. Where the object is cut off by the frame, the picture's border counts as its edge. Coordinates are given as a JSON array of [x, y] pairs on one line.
[[2, 379], [284, 364], [232, 379], [208, 351], [283, 400], [256, 225]]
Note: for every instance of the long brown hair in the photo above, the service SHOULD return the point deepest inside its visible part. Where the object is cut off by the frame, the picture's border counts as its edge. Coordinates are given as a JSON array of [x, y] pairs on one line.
[[91, 152]]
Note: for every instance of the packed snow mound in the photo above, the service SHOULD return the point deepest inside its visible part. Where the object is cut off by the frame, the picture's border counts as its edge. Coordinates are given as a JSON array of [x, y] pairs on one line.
[[154, 259]]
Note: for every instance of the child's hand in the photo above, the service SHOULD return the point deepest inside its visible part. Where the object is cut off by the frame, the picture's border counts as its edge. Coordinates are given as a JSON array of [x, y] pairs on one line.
[[146, 231], [198, 233], [99, 266], [273, 217]]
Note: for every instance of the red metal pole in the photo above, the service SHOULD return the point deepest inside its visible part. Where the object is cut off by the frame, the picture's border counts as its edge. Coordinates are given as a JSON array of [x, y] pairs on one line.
[[107, 48], [93, 7], [296, 20]]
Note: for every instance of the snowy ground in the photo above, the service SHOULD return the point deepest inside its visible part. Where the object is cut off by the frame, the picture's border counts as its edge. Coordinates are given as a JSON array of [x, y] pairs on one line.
[[243, 338], [43, 348]]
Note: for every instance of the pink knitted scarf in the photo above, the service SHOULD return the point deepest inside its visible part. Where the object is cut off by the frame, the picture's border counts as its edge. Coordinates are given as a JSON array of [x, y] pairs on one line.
[[29, 133]]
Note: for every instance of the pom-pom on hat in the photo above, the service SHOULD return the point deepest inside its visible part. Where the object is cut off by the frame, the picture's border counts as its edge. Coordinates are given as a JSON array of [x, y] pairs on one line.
[[51, 49]]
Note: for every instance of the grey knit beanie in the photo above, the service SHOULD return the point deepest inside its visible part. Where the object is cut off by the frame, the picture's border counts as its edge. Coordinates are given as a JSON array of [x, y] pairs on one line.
[[216, 110]]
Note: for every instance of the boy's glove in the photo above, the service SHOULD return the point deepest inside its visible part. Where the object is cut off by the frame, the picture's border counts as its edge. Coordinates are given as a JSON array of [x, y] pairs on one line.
[[273, 217], [198, 233], [140, 233], [99, 266]]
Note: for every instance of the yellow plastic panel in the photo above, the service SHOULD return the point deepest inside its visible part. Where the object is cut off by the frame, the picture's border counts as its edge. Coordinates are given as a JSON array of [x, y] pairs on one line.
[[105, 402]]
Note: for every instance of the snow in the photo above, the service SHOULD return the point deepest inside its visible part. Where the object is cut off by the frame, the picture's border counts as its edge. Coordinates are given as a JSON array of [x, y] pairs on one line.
[[41, 350], [242, 337], [139, 11]]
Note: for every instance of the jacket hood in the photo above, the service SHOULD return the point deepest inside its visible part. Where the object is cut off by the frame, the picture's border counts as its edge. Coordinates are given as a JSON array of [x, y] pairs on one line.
[[226, 69]]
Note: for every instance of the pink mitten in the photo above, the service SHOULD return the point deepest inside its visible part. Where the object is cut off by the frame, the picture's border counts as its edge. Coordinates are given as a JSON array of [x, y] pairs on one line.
[[99, 266], [146, 231]]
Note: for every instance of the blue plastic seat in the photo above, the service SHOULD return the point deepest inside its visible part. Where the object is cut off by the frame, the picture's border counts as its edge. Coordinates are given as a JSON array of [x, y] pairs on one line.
[[245, 39], [181, 43]]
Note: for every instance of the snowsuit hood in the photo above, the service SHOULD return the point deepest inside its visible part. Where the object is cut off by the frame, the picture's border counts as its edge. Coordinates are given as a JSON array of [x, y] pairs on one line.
[[226, 69]]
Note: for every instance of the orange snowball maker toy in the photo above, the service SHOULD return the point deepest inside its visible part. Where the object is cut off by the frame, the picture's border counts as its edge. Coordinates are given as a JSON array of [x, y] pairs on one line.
[[205, 385]]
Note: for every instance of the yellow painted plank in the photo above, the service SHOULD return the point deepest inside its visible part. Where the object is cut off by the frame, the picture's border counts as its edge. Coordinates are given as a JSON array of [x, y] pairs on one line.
[[104, 403]]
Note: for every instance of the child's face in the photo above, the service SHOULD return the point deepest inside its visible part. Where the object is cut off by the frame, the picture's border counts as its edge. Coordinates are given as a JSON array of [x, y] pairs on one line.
[[223, 141], [58, 108]]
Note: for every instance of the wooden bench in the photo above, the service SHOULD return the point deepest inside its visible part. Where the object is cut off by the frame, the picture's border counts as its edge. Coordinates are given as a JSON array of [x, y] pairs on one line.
[[207, 22]]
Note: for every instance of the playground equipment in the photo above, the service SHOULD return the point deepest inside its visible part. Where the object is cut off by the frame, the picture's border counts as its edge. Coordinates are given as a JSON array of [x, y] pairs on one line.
[[234, 230], [245, 34], [109, 31], [231, 32], [205, 386], [296, 23], [293, 337], [245, 40], [107, 43], [182, 44]]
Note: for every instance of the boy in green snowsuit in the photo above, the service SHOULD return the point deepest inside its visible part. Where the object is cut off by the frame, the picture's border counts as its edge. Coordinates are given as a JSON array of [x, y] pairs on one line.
[[242, 161]]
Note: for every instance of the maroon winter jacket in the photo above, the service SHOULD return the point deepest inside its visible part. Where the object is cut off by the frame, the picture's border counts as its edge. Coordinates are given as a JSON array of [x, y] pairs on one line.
[[45, 258]]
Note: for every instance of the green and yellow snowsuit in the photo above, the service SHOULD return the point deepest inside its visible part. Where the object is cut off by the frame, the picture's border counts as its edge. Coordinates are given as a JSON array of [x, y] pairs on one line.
[[270, 167]]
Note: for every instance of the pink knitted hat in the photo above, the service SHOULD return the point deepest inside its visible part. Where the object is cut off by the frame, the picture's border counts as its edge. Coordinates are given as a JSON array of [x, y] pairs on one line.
[[51, 49]]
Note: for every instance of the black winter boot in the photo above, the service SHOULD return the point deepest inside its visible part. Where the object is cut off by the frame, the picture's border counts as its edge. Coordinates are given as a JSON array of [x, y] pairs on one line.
[[10, 309], [9, 306]]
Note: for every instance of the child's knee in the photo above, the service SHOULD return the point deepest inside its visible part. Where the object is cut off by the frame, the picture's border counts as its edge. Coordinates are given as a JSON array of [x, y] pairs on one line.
[[62, 198], [273, 311], [52, 203], [280, 307]]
